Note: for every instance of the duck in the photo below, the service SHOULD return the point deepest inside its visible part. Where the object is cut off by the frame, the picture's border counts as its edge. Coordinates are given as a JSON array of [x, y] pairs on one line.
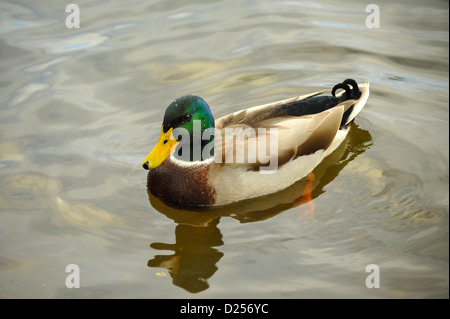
[[199, 162]]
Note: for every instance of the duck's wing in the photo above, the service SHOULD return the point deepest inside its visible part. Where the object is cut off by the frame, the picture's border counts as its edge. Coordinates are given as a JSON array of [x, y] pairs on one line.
[[253, 115], [298, 126]]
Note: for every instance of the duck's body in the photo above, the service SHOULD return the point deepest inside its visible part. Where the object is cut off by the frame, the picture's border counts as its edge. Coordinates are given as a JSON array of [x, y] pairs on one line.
[[290, 138]]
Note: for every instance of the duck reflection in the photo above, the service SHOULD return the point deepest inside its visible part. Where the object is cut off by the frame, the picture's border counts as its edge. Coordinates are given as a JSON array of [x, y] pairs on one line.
[[196, 234], [194, 259]]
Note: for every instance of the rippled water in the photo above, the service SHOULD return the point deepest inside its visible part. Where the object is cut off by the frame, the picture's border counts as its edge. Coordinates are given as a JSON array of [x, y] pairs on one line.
[[81, 108]]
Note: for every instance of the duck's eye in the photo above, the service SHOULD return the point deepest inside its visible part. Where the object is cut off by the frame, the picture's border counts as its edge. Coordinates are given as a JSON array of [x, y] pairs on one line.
[[187, 117], [165, 141]]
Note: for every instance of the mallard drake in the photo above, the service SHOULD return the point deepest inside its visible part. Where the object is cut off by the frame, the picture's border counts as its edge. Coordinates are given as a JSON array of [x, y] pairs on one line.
[[199, 162]]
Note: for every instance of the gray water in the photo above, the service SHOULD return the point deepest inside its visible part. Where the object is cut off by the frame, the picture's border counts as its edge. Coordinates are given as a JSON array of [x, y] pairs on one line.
[[82, 107]]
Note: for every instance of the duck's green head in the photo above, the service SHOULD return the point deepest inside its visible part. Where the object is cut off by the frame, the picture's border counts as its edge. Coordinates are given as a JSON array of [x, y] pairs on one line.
[[185, 121]]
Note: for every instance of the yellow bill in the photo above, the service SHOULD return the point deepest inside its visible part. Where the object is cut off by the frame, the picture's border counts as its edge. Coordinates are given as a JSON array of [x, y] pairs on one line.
[[161, 151]]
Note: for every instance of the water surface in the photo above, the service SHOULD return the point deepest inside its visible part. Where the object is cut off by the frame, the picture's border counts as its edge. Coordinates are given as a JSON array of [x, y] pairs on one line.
[[81, 108]]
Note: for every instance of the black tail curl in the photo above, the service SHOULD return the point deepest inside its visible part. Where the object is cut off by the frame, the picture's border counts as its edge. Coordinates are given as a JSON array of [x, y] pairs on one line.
[[351, 93], [319, 103]]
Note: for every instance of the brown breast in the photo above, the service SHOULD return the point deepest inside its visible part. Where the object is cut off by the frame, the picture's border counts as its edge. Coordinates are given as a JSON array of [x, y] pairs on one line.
[[182, 187]]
